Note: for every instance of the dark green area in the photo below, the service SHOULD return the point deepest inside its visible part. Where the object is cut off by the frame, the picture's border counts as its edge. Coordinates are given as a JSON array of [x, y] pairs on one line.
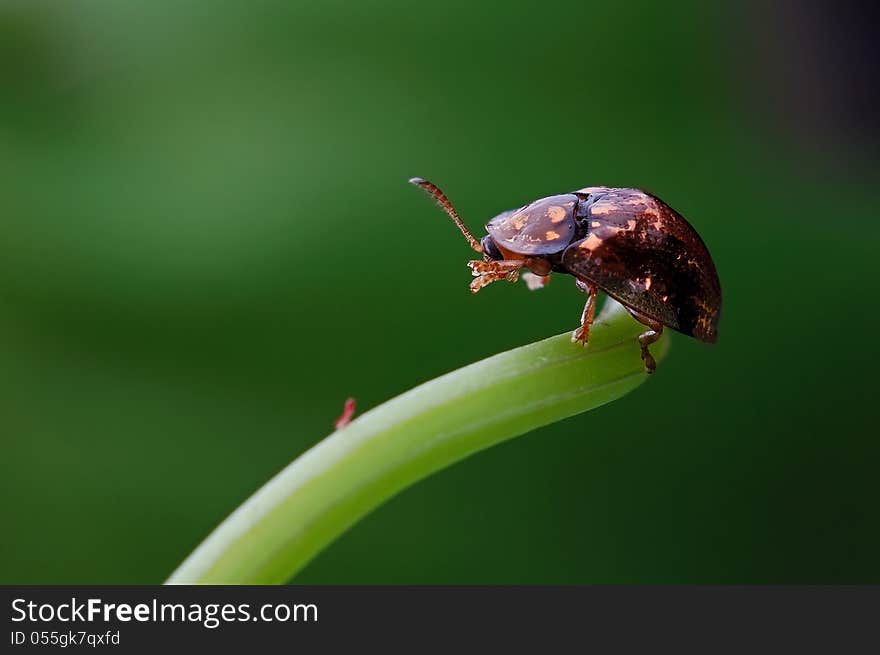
[[207, 242]]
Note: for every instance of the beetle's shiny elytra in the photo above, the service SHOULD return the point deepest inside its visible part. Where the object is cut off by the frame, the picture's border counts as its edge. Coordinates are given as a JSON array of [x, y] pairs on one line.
[[625, 242]]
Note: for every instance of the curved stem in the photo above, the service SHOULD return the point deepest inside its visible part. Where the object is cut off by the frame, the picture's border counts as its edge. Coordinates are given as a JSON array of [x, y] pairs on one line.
[[338, 481]]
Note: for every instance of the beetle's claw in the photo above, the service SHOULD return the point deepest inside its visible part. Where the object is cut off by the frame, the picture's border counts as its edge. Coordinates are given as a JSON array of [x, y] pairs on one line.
[[476, 267], [479, 282], [487, 272], [581, 336], [650, 363]]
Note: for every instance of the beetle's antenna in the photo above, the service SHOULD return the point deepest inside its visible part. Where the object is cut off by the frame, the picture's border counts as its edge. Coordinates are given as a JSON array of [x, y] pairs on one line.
[[431, 189]]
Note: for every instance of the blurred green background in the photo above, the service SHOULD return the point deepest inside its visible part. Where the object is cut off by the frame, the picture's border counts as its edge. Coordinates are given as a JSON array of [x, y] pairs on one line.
[[208, 242]]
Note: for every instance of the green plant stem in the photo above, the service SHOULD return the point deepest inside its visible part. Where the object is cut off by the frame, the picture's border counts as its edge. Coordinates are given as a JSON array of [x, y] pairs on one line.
[[334, 484]]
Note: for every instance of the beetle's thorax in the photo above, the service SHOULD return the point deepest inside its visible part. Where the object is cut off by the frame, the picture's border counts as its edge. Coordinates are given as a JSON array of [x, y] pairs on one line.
[[543, 227]]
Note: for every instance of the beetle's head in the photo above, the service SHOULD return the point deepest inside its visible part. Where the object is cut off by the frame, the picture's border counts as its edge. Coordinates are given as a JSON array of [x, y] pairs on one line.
[[490, 249]]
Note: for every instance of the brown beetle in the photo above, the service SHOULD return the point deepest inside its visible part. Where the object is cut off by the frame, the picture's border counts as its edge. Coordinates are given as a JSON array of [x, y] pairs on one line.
[[626, 242]]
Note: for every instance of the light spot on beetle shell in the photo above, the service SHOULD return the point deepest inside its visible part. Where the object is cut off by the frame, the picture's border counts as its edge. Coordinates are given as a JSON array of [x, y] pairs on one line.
[[647, 284], [591, 243], [595, 224], [556, 214], [519, 220], [551, 235]]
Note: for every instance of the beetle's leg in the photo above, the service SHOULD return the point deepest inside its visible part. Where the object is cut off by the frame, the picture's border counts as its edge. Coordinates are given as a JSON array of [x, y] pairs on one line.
[[647, 338], [487, 272], [582, 334]]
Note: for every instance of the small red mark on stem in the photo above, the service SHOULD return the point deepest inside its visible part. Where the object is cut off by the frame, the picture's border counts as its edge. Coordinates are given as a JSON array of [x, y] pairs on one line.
[[347, 414]]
